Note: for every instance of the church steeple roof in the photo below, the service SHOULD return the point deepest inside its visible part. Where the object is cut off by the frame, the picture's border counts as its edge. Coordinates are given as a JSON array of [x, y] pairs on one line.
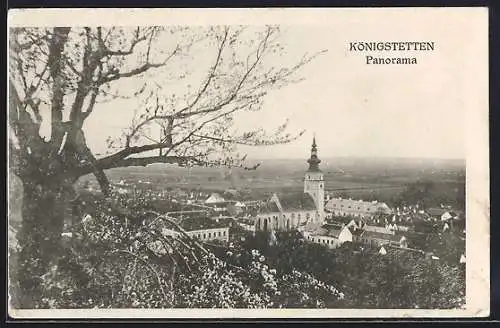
[[314, 160]]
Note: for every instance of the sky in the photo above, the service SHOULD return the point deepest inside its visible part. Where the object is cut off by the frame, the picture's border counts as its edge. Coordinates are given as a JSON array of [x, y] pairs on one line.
[[352, 108]]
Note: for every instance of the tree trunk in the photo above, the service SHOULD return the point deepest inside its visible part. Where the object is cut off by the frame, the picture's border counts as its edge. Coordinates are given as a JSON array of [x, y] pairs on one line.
[[45, 207]]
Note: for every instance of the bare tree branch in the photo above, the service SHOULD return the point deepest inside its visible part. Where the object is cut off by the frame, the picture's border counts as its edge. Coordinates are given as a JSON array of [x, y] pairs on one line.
[[210, 75], [137, 71], [138, 39]]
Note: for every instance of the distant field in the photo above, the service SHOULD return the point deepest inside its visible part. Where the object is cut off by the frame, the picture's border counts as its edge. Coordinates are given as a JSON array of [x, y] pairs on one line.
[[381, 180], [370, 179]]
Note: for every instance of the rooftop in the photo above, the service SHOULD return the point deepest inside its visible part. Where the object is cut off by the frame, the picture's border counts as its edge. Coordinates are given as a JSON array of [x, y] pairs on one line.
[[356, 205], [215, 198], [192, 224], [297, 202], [267, 207], [436, 211], [334, 233], [380, 235], [383, 230], [330, 230]]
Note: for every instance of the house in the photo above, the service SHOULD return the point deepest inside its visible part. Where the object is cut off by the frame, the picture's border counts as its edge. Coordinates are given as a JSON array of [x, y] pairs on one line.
[[204, 229], [356, 208], [403, 243], [214, 199], [402, 228], [446, 216], [220, 208], [383, 230], [442, 214], [240, 204], [329, 235], [342, 235], [218, 204], [195, 226]]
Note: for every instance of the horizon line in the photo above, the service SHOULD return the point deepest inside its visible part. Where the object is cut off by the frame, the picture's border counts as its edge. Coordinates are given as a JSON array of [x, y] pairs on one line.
[[364, 157]]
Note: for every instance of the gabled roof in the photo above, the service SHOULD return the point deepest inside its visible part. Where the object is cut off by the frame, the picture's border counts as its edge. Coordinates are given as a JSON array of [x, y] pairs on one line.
[[333, 226], [327, 230], [357, 205], [334, 233], [215, 198], [319, 231], [383, 230], [436, 211], [297, 202], [267, 207]]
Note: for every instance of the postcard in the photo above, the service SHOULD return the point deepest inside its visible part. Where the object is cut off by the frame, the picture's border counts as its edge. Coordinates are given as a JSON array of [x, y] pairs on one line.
[[248, 163]]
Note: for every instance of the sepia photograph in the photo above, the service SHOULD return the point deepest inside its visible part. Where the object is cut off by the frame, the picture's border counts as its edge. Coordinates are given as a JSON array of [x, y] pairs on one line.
[[248, 163]]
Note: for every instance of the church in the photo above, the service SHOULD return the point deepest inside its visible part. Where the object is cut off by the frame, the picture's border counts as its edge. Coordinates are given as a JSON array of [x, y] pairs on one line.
[[295, 211]]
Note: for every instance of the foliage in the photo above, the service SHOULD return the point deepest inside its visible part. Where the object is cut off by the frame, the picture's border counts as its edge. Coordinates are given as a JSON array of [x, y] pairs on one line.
[[110, 262], [399, 279], [429, 193]]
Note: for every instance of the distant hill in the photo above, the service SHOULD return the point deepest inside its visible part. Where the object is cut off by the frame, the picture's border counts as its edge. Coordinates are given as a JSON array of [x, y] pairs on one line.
[[340, 173], [333, 165]]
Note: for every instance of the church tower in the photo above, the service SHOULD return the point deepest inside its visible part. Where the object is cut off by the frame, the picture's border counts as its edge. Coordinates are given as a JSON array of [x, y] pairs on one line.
[[314, 183]]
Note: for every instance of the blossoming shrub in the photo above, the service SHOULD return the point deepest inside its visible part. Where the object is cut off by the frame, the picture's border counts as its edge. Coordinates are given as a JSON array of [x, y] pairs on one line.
[[118, 261]]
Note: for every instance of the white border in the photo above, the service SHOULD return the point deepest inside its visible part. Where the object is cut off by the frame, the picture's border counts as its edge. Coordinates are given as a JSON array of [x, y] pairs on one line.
[[477, 162]]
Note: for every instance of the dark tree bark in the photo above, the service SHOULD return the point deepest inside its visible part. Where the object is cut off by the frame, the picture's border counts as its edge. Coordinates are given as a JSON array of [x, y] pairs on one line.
[[45, 208]]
